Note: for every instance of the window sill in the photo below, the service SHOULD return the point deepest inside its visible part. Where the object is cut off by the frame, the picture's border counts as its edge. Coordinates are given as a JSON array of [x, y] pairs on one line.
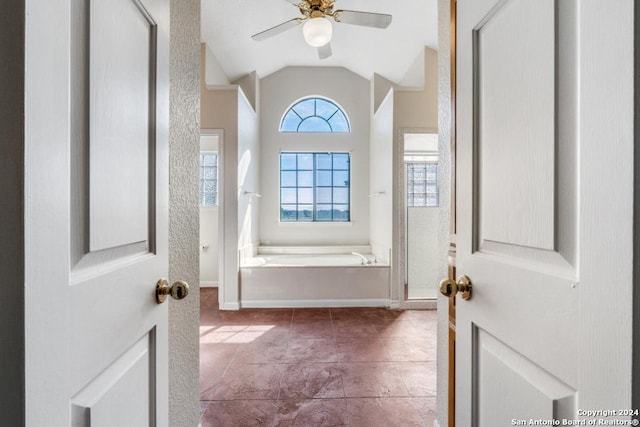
[[321, 223]]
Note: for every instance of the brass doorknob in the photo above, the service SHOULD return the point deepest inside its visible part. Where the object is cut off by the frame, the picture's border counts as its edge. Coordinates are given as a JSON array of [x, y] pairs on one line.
[[179, 290], [449, 288]]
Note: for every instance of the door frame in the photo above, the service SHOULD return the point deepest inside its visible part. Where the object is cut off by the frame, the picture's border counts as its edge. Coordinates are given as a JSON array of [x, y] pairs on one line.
[[447, 123], [401, 241], [221, 211]]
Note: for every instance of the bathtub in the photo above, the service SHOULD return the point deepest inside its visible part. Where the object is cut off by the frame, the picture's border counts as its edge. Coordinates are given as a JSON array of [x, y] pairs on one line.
[[313, 280]]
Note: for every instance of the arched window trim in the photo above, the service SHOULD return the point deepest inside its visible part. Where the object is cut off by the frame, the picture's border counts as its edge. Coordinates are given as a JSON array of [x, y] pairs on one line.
[[325, 119]]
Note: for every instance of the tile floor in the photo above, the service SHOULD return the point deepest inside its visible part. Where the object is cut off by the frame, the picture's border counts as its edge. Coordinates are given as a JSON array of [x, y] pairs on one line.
[[316, 367]]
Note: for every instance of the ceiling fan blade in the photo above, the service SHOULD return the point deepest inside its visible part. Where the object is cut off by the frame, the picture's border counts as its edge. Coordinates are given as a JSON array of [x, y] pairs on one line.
[[324, 51], [368, 19], [277, 29]]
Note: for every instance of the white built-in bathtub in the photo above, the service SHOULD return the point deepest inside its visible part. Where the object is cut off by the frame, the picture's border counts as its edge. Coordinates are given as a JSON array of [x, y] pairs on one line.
[[313, 280]]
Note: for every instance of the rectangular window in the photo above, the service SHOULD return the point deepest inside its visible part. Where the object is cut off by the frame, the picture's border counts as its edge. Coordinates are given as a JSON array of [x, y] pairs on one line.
[[208, 179], [422, 185], [314, 187]]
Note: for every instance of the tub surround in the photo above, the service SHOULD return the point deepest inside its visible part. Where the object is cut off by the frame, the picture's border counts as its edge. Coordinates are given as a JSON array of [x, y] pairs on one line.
[[316, 276]]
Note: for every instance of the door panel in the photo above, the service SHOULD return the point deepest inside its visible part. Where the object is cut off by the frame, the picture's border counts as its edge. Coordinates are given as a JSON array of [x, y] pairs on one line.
[[120, 395], [122, 67], [514, 95], [526, 146], [96, 212], [508, 380]]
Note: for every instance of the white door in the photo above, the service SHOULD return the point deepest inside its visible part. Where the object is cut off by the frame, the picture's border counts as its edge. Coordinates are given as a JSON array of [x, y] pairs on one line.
[[545, 171], [96, 212]]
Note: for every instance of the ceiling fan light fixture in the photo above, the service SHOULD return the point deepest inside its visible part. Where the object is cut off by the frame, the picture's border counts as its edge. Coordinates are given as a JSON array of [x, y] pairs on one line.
[[317, 31]]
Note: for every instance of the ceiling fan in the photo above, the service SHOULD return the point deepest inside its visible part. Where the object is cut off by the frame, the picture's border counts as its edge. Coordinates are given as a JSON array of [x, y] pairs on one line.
[[317, 29]]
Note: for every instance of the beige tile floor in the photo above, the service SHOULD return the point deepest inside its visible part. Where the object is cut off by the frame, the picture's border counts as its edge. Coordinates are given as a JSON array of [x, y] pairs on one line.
[[316, 367]]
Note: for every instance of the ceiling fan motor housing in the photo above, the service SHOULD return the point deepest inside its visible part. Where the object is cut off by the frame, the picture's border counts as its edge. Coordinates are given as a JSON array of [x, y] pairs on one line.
[[316, 8]]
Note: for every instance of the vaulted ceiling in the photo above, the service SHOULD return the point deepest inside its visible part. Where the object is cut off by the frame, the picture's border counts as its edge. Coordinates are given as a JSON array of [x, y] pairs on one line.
[[227, 26]]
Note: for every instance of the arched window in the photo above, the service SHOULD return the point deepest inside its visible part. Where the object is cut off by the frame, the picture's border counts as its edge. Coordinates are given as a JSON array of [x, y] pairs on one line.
[[315, 114]]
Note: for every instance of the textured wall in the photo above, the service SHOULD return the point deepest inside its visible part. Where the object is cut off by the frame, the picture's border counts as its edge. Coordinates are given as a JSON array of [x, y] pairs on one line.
[[11, 212], [184, 149], [444, 137]]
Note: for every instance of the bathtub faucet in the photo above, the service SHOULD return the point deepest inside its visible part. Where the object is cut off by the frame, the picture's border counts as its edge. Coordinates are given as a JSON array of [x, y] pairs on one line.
[[365, 260]]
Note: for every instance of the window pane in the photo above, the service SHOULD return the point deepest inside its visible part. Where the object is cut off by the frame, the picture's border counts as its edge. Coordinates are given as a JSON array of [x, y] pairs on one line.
[[324, 108], [431, 175], [209, 172], [314, 124], [209, 159], [422, 184], [341, 161], [315, 115], [341, 212], [287, 161], [305, 179], [288, 213], [324, 199], [288, 178], [339, 122], [305, 108], [305, 212], [341, 178], [290, 122], [288, 195], [305, 161], [323, 161], [208, 179], [323, 212], [210, 199], [341, 195], [419, 200], [323, 178], [305, 195], [323, 195]]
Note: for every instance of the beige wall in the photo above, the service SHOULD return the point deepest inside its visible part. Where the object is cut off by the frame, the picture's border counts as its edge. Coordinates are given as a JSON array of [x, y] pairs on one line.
[[416, 111], [381, 180], [219, 110], [228, 109], [213, 73], [184, 148], [248, 178], [419, 108], [278, 92]]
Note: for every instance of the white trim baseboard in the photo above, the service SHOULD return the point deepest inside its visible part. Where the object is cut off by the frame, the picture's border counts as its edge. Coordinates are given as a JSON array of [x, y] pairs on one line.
[[420, 304], [315, 303], [230, 306], [208, 284]]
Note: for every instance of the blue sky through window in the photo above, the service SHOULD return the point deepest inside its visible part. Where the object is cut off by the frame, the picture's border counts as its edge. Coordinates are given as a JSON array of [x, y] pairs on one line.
[[315, 115]]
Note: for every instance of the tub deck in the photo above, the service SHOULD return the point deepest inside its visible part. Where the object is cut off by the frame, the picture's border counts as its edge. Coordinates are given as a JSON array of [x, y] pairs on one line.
[[313, 280]]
